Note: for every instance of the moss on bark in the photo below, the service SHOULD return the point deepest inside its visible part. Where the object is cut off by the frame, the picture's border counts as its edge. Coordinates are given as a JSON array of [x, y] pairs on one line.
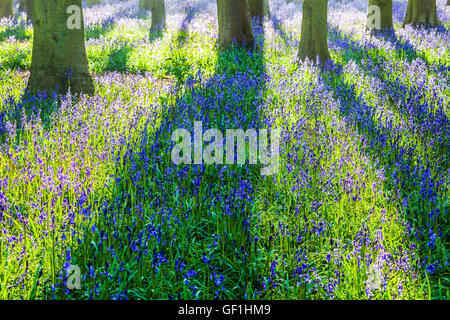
[[158, 9], [234, 24], [59, 58], [6, 8], [145, 4]]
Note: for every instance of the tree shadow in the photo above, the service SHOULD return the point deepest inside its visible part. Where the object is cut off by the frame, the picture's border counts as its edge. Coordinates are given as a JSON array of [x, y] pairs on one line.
[[187, 225], [408, 177], [39, 106]]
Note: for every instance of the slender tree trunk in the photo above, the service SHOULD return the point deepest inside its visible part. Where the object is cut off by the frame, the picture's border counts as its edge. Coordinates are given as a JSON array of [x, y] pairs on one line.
[[314, 37], [422, 13], [386, 22], [22, 5], [29, 7], [259, 9], [234, 24], [158, 10], [90, 3], [6, 8], [59, 55], [145, 4]]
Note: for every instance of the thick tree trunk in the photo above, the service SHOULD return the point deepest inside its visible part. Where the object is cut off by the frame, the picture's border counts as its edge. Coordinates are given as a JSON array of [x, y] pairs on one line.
[[386, 22], [6, 8], [235, 24], [59, 54], [259, 9], [145, 4], [314, 36], [29, 7], [90, 3], [158, 10], [422, 13]]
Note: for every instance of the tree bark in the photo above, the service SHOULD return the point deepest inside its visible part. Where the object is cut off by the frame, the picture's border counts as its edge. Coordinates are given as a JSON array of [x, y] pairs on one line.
[[90, 3], [145, 4], [59, 55], [158, 9], [422, 13], [6, 8], [259, 9], [29, 7], [386, 22], [235, 24], [22, 5], [314, 36]]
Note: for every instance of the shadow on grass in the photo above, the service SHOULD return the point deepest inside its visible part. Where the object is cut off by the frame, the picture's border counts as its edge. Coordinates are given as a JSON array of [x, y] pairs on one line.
[[181, 231], [422, 195]]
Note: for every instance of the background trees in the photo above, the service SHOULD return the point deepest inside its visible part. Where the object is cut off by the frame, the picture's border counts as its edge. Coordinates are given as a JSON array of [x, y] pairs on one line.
[[6, 8], [158, 10], [259, 8], [234, 23], [314, 41], [386, 22], [29, 7], [422, 13], [59, 55], [22, 5], [145, 4]]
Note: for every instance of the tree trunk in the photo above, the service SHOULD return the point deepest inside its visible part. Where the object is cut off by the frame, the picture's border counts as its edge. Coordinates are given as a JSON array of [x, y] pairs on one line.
[[234, 24], [422, 13], [90, 3], [386, 22], [259, 9], [22, 5], [145, 4], [59, 54], [158, 10], [29, 7], [6, 8], [314, 36]]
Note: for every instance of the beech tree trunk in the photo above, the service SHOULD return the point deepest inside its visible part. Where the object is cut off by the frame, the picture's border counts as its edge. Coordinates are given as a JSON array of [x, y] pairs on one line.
[[59, 58], [259, 9], [158, 9], [90, 3], [314, 36], [235, 25], [422, 13], [29, 7], [6, 8], [145, 4], [386, 22]]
